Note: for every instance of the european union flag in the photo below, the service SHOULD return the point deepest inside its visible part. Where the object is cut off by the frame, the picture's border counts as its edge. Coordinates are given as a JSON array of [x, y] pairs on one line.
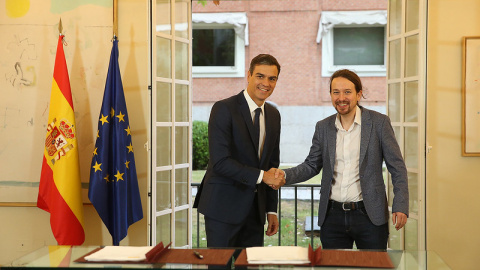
[[113, 188]]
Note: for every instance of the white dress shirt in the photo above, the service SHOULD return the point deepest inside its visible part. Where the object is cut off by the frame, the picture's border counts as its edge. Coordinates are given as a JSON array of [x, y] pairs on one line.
[[346, 174]]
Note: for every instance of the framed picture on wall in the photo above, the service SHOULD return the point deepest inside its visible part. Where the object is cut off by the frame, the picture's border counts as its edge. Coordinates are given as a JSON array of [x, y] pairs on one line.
[[471, 97]]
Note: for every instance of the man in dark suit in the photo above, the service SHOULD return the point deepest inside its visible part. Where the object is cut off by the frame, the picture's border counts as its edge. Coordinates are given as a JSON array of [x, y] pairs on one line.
[[350, 147], [235, 197]]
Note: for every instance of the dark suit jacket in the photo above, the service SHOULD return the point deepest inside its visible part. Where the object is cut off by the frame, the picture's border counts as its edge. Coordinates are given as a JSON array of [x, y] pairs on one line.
[[228, 187], [377, 144]]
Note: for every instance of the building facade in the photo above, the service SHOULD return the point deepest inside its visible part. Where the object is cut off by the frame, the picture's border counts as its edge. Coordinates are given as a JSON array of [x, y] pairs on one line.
[[310, 39]]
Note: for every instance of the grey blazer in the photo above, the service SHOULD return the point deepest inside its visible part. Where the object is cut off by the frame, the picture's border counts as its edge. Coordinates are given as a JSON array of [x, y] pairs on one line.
[[378, 143]]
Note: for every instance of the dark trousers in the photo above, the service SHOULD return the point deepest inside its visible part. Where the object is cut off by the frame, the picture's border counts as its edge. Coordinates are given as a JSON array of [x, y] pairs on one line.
[[342, 228], [249, 233]]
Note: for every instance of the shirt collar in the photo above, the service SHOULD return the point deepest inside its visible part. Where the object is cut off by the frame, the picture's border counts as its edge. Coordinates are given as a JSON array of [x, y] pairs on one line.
[[251, 104], [357, 120]]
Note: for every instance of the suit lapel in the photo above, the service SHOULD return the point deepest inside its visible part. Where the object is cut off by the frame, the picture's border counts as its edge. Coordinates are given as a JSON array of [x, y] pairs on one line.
[[332, 141], [365, 134], [247, 117]]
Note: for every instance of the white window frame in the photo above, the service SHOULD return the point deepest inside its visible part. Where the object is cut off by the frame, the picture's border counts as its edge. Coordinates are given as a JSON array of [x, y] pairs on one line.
[[333, 19], [237, 21]]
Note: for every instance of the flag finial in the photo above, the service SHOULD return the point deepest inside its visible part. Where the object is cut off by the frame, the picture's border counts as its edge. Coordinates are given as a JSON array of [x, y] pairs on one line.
[[115, 19], [60, 27]]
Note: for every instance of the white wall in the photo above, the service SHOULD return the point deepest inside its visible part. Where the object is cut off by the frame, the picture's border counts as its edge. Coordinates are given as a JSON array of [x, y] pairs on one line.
[[453, 182], [24, 229]]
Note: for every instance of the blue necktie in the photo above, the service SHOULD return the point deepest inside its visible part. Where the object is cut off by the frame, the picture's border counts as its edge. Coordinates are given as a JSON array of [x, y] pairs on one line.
[[256, 127]]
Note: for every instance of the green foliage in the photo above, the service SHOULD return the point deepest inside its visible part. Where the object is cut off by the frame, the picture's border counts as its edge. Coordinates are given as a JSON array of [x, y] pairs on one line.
[[202, 2], [200, 145]]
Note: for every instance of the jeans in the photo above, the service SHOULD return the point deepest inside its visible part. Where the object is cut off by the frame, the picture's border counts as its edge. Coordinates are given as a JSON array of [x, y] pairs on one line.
[[342, 228]]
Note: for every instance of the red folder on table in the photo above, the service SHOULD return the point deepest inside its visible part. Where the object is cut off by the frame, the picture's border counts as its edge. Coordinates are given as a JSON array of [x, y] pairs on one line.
[[161, 254], [333, 257]]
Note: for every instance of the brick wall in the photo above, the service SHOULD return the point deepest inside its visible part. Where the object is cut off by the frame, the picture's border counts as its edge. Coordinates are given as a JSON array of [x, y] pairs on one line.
[[287, 30]]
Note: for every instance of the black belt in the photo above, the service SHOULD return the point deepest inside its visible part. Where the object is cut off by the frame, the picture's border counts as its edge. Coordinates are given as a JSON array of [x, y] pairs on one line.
[[346, 206]]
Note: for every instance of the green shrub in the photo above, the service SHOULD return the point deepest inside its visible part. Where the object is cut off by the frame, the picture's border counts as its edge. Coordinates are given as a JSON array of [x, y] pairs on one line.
[[200, 145]]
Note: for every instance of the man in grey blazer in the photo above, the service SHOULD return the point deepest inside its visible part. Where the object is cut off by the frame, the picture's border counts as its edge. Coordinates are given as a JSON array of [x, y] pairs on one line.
[[350, 147]]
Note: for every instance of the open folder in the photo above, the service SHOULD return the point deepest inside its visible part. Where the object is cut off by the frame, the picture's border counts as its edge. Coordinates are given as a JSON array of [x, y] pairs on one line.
[[309, 257], [159, 254]]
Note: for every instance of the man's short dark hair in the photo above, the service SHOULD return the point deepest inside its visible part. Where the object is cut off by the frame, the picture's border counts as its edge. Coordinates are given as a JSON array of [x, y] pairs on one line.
[[264, 59]]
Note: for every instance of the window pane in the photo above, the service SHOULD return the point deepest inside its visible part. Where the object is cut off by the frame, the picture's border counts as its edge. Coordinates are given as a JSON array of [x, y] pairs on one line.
[[181, 145], [181, 18], [411, 147], [181, 228], [164, 102], [390, 190], [181, 187], [164, 58], [396, 130], [163, 17], [394, 59], [359, 46], [163, 229], [181, 103], [213, 47], [395, 17], [413, 192], [411, 234], [164, 146], [412, 14], [163, 184], [411, 101], [394, 238], [394, 102], [181, 60], [411, 56]]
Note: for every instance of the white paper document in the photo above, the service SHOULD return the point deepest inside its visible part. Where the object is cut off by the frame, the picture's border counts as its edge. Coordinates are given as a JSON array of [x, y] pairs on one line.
[[277, 255], [119, 253]]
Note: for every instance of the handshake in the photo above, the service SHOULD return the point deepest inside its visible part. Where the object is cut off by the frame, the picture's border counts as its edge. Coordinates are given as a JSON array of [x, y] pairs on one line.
[[274, 178]]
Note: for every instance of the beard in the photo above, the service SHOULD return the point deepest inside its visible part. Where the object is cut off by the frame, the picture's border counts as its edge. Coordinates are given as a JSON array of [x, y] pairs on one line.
[[344, 110]]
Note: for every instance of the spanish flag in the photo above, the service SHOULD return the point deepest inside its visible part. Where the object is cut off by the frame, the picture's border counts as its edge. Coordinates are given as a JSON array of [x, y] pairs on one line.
[[60, 186]]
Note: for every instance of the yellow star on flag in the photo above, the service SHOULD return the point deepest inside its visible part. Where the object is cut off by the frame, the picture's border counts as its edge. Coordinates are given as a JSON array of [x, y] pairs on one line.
[[95, 151], [130, 148], [106, 178], [120, 117], [119, 175], [104, 119], [97, 166], [128, 131], [127, 163], [112, 112], [98, 133]]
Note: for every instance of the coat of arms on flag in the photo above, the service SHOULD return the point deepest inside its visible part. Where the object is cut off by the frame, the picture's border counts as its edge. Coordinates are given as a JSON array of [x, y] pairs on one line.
[[58, 140]]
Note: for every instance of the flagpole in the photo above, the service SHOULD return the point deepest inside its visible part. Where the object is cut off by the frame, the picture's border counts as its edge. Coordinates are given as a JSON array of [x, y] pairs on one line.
[[115, 19], [60, 27], [115, 30]]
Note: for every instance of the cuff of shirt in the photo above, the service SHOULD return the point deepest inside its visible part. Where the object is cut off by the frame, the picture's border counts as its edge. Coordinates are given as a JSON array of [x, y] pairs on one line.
[[260, 177], [273, 213]]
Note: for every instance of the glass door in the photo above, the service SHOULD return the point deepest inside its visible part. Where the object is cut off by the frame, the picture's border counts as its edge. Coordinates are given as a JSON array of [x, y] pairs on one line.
[[171, 122], [406, 104]]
